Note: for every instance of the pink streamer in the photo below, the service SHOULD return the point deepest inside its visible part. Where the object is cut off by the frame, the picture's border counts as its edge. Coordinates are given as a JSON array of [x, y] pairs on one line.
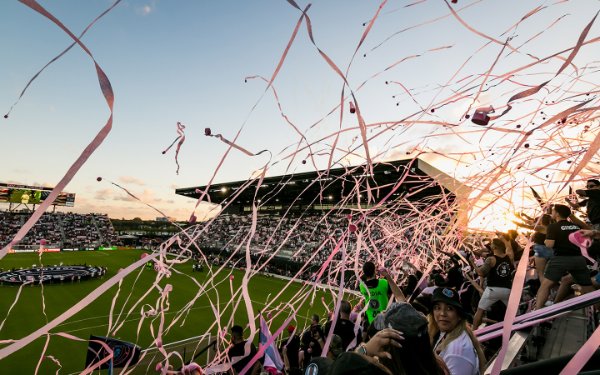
[[8, 350], [107, 91], [583, 355], [181, 139]]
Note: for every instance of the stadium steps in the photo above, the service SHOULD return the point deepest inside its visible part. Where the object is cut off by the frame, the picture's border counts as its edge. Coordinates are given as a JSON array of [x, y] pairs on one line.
[[567, 335], [100, 235], [61, 227]]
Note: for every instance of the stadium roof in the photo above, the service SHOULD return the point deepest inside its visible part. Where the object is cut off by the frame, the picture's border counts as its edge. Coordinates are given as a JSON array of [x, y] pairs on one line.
[[330, 187]]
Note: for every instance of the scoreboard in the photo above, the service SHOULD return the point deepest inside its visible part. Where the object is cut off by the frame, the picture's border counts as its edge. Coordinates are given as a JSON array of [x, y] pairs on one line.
[[24, 194]]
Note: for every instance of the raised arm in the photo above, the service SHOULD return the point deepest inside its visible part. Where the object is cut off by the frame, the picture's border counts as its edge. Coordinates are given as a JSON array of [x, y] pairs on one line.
[[487, 266], [577, 221], [395, 289], [508, 247]]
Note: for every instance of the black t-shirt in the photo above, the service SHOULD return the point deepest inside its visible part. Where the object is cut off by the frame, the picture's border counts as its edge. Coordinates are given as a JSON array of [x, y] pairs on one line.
[[238, 350], [559, 232], [293, 346], [309, 344], [593, 205], [345, 329], [501, 275], [455, 277]]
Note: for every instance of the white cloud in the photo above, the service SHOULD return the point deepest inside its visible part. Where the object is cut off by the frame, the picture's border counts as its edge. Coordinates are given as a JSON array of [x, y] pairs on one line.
[[103, 194], [131, 180]]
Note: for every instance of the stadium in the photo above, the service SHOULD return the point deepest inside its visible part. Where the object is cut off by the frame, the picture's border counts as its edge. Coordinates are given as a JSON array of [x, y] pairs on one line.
[[291, 239], [408, 187], [100, 244]]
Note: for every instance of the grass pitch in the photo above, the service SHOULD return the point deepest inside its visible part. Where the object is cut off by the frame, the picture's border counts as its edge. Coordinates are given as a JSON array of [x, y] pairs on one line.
[[38, 305]]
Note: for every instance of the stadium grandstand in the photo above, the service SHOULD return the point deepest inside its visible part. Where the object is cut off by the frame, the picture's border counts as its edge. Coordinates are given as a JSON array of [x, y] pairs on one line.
[[292, 226], [299, 214], [413, 205], [54, 230], [58, 230]]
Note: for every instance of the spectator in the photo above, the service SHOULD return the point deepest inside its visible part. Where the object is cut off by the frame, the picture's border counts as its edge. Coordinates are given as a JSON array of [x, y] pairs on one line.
[[542, 254], [344, 327], [290, 350], [335, 347], [241, 352], [453, 339], [311, 342], [498, 269], [592, 203], [455, 276], [567, 256], [377, 291], [415, 356], [516, 248]]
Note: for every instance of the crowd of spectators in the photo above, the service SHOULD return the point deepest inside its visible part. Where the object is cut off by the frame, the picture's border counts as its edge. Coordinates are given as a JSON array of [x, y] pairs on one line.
[[308, 238], [59, 230], [421, 297], [418, 317]]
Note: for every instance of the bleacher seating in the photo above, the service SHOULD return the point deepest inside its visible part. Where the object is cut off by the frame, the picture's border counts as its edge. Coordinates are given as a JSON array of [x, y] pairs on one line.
[[309, 238], [59, 230]]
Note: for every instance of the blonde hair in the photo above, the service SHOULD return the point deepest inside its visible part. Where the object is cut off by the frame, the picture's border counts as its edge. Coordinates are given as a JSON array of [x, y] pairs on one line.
[[461, 327]]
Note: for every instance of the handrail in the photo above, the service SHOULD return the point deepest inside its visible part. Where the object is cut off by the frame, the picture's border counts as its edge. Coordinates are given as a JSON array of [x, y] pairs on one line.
[[553, 366], [514, 347], [539, 316]]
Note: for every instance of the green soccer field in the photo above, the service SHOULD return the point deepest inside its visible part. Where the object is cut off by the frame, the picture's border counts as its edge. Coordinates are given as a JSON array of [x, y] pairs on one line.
[[36, 306]]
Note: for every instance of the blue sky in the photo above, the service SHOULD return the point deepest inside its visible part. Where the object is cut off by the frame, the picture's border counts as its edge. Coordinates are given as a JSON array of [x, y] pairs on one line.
[[186, 61]]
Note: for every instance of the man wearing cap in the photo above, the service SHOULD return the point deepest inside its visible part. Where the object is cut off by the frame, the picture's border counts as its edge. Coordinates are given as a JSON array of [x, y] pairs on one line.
[[290, 349], [498, 270], [377, 291], [402, 343]]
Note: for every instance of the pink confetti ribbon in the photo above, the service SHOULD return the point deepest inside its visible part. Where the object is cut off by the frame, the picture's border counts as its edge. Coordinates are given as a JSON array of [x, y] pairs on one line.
[[181, 139], [108, 94]]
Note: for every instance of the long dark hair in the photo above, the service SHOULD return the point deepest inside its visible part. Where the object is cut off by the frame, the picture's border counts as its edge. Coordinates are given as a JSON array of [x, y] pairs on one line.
[[415, 357]]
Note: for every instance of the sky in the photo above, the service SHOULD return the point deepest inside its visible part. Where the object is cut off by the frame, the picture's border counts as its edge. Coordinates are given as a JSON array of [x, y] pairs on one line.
[[200, 63]]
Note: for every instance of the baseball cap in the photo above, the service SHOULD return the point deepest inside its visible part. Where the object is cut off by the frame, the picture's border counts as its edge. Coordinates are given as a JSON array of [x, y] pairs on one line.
[[449, 296]]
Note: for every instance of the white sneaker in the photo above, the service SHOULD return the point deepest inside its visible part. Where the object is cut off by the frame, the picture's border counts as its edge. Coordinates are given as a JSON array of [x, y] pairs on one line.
[[549, 303]]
